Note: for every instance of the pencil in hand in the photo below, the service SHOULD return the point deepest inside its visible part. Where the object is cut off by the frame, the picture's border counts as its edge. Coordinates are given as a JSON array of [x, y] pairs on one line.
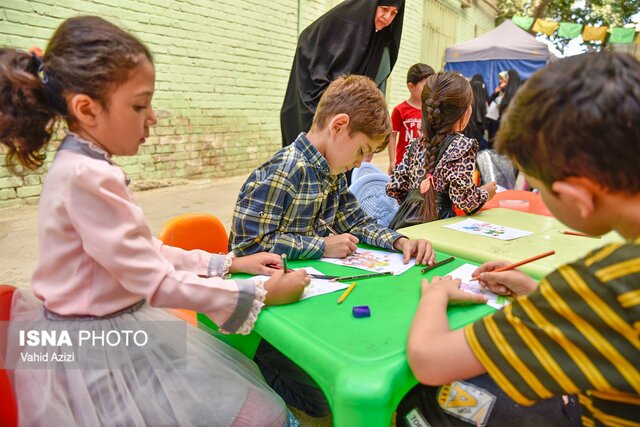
[[284, 263], [346, 293], [326, 225], [519, 263]]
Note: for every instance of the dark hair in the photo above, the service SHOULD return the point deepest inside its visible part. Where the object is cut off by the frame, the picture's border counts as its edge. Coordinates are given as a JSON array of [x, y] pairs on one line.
[[360, 98], [477, 124], [578, 117], [510, 90], [445, 98], [85, 55], [418, 72]]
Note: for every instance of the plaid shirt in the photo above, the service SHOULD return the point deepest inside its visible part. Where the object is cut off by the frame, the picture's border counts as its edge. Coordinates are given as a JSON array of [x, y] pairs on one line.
[[280, 204]]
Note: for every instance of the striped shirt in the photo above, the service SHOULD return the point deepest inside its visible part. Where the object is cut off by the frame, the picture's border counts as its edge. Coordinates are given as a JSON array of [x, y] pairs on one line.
[[282, 201], [577, 334]]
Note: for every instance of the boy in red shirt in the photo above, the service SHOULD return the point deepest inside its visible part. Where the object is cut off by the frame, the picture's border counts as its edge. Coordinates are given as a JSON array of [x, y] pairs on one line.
[[406, 117]]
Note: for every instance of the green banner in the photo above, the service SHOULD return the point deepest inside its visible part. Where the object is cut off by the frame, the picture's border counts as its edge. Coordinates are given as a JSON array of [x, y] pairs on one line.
[[523, 22], [622, 35], [569, 30]]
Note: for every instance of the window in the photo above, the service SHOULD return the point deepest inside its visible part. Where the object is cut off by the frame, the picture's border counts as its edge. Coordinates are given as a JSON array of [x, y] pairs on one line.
[[439, 32]]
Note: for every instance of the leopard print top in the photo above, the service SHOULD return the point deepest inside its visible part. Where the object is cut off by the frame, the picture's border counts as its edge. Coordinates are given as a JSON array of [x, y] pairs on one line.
[[453, 173]]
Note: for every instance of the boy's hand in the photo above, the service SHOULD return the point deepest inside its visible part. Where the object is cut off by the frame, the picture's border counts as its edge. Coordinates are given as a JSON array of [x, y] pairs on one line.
[[255, 263], [285, 288], [420, 249], [511, 282], [491, 188], [451, 288], [340, 245]]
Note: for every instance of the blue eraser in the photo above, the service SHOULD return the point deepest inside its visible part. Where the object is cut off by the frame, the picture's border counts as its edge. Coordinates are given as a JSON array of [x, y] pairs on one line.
[[361, 311]]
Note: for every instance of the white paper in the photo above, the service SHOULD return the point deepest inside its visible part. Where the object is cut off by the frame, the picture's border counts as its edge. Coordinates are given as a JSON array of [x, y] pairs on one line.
[[377, 261], [316, 286], [465, 273], [481, 228]]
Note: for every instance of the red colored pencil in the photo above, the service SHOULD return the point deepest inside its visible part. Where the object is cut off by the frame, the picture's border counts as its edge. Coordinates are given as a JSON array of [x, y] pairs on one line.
[[519, 263]]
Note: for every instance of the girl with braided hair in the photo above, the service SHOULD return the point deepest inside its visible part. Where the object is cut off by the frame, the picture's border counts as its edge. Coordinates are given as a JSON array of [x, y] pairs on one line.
[[440, 165]]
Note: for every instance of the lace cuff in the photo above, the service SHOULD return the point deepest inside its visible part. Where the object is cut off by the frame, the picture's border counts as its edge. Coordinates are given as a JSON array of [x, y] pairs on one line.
[[257, 303], [219, 265], [228, 260]]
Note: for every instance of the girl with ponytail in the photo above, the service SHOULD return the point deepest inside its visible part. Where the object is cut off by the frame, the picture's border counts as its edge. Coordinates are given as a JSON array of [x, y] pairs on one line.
[[100, 270], [438, 168]]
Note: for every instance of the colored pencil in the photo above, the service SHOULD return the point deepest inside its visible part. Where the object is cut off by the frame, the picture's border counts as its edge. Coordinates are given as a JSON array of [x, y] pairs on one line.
[[363, 276], [346, 293], [519, 263], [437, 264], [284, 263], [576, 233], [326, 225]]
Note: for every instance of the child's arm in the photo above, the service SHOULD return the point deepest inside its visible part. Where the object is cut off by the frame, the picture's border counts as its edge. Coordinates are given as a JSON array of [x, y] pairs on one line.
[[200, 262], [456, 168], [396, 125], [398, 185], [258, 216], [392, 152], [436, 354], [350, 218]]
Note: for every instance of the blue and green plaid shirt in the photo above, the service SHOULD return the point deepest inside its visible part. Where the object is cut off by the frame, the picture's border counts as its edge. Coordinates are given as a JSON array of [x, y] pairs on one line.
[[280, 204]]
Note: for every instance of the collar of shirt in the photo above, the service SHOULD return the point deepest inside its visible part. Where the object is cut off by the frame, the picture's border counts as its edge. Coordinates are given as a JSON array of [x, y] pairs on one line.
[[312, 155]]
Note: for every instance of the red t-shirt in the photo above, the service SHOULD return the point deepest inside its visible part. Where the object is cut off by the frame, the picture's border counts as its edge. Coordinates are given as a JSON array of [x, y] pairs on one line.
[[407, 121]]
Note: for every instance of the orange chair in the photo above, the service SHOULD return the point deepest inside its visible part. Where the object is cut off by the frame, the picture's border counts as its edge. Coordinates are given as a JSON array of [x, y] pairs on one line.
[[206, 232], [8, 406], [194, 231], [525, 201]]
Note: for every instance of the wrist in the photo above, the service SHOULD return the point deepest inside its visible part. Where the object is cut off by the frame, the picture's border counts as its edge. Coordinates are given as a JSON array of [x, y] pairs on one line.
[[399, 243]]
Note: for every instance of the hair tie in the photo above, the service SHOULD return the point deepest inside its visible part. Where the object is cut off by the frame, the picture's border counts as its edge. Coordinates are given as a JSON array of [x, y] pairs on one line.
[[426, 183], [37, 57], [52, 89]]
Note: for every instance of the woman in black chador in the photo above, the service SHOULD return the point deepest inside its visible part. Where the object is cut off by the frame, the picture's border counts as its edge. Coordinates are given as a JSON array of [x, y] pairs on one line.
[[355, 37], [477, 125]]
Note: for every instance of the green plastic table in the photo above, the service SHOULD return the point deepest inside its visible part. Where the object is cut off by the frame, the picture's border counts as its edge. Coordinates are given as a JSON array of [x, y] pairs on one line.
[[359, 363], [547, 235]]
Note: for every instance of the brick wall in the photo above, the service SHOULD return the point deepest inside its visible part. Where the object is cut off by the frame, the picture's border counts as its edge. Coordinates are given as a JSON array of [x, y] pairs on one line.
[[222, 68]]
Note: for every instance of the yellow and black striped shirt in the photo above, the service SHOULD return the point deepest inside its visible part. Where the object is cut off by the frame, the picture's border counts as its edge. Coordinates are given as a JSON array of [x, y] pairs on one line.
[[577, 334]]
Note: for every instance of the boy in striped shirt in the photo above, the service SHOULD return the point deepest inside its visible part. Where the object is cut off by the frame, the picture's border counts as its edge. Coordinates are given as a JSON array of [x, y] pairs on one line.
[[574, 130]]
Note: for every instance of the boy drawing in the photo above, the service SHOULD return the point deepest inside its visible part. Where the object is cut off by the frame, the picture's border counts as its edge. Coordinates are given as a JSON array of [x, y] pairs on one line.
[[576, 332], [281, 204]]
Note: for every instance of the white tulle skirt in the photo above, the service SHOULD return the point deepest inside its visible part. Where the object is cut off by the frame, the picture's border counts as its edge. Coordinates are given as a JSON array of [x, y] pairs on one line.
[[160, 384]]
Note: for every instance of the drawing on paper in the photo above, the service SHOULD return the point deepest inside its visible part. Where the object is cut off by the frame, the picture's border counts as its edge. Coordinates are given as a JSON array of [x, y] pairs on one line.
[[473, 226], [376, 261]]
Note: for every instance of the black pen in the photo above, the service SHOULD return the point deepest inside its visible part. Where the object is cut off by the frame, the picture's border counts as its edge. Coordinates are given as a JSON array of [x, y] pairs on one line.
[[438, 264]]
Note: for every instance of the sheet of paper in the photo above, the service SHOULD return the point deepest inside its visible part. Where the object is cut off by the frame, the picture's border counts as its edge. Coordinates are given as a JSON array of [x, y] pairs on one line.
[[473, 226], [465, 273], [374, 260], [316, 286]]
